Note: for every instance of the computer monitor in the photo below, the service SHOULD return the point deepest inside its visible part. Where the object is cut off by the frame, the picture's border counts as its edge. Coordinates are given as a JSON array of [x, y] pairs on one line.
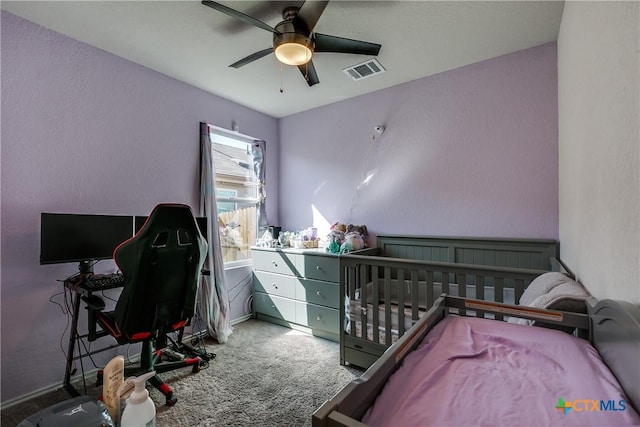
[[200, 220], [81, 237]]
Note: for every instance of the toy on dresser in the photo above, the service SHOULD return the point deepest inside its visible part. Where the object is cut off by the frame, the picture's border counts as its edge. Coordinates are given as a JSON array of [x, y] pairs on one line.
[[346, 238]]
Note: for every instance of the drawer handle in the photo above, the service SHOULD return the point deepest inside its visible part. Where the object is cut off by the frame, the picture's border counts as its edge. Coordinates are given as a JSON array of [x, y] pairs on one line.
[[318, 268], [273, 306], [274, 285], [319, 293], [274, 263], [319, 318], [358, 346]]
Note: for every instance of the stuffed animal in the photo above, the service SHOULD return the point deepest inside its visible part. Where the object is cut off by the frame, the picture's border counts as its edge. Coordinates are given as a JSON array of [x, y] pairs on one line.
[[352, 242], [336, 237], [334, 240], [333, 247], [346, 238], [338, 226], [359, 229]]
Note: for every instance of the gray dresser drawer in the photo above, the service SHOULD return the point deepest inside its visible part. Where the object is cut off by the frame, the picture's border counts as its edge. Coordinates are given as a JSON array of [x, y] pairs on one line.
[[298, 288], [274, 306], [320, 267], [318, 292], [275, 262], [318, 317], [275, 284]]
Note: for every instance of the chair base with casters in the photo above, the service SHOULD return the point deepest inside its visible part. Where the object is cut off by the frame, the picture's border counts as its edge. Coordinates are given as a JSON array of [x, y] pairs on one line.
[[151, 360], [151, 357]]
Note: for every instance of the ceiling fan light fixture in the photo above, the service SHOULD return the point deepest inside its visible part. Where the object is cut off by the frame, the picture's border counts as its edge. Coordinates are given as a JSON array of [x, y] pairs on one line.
[[293, 48]]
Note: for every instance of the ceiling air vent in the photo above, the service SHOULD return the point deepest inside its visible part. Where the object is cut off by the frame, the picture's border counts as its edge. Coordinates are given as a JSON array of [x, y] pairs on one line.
[[364, 70]]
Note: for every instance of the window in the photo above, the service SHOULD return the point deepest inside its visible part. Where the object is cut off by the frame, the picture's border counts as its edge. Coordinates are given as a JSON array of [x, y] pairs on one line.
[[223, 195], [238, 192]]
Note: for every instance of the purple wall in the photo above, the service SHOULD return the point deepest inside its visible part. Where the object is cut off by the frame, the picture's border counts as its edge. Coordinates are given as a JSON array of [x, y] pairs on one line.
[[469, 152], [87, 131]]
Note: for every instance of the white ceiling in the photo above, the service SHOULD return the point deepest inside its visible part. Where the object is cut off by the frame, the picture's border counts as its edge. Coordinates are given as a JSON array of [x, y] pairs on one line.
[[195, 44]]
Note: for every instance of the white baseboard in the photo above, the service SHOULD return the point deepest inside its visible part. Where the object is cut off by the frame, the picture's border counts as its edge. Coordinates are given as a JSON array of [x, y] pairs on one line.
[[241, 319], [31, 395], [91, 374]]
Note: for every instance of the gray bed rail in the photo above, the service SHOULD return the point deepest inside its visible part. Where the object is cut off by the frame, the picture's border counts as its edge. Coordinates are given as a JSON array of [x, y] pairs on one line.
[[385, 296]]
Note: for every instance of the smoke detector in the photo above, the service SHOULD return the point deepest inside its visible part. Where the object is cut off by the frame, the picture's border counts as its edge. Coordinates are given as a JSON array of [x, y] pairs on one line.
[[365, 69]]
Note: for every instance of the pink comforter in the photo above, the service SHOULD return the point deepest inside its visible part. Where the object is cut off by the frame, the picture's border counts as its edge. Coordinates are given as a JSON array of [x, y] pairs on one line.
[[477, 372]]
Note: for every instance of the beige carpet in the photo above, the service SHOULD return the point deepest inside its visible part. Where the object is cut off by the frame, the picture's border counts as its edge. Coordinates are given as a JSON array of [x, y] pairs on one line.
[[265, 375]]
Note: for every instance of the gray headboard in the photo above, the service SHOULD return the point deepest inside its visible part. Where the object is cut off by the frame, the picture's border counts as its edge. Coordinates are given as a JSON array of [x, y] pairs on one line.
[[514, 253], [615, 333]]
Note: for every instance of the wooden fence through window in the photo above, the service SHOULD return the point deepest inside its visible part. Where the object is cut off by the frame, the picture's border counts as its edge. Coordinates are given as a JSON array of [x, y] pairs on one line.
[[237, 233]]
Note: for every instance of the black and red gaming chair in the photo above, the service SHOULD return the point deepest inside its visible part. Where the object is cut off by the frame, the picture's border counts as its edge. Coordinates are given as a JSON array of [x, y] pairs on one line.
[[161, 266]]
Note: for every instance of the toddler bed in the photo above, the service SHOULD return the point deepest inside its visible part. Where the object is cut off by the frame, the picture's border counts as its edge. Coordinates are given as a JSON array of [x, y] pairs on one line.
[[388, 290], [458, 370]]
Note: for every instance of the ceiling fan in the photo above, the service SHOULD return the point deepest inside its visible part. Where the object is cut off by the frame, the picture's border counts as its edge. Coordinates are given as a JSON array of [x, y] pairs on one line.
[[294, 41]]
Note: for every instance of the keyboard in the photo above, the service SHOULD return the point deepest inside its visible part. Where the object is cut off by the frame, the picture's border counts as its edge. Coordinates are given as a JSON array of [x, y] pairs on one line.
[[106, 281]]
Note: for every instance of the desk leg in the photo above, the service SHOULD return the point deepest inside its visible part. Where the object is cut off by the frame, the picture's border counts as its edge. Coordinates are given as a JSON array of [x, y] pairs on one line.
[[73, 333]]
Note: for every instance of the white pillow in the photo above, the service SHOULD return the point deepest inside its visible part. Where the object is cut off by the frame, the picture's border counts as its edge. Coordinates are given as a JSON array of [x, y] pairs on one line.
[[568, 296], [542, 285], [553, 291]]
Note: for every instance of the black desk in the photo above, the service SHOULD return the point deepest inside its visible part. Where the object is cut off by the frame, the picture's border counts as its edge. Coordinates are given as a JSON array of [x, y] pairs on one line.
[[79, 288]]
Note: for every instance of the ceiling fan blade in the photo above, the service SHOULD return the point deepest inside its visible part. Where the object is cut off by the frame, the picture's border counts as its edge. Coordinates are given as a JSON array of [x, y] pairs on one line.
[[310, 12], [308, 71], [239, 15], [251, 58], [326, 43]]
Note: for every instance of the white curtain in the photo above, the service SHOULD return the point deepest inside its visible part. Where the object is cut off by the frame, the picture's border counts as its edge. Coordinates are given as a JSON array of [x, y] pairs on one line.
[[213, 297], [258, 152]]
